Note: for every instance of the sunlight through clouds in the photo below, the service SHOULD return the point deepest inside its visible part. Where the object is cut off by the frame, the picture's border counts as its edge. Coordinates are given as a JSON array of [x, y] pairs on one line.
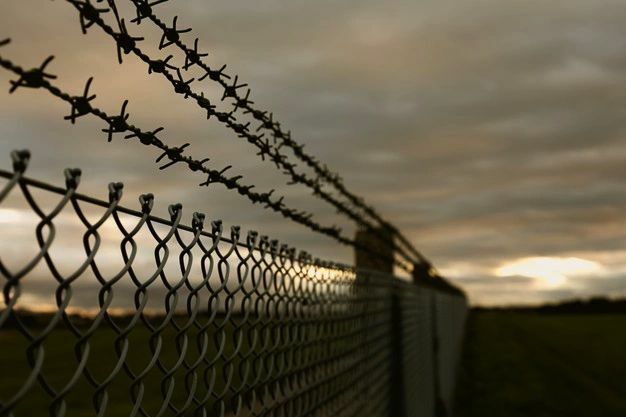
[[552, 270], [487, 134]]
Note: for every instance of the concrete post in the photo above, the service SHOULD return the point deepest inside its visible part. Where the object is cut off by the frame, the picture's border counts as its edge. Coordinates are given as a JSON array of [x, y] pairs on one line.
[[379, 257]]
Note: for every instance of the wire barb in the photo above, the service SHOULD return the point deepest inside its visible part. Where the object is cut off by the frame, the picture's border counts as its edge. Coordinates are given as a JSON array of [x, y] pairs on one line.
[[231, 90], [81, 104], [181, 86], [146, 138], [192, 56], [33, 78], [88, 13], [144, 9], [356, 210], [171, 35], [125, 42], [175, 155], [117, 124], [215, 75], [206, 104]]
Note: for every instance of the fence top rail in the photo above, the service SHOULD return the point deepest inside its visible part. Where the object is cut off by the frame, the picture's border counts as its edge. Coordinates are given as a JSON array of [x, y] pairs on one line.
[[253, 241]]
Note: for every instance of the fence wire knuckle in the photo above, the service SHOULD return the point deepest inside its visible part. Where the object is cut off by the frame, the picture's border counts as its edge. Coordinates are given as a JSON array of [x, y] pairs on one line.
[[187, 316]]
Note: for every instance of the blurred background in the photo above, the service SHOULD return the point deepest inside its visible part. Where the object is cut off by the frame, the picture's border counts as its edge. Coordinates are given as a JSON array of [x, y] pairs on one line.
[[491, 133]]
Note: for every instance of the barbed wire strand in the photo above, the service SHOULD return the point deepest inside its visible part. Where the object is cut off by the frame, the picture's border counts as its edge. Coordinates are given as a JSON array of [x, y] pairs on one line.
[[20, 162], [322, 316], [144, 9], [304, 337], [127, 44], [81, 106], [183, 87]]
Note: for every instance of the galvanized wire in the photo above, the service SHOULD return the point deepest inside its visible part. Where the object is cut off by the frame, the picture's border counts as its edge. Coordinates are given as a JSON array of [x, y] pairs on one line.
[[254, 328], [126, 43], [242, 326], [193, 57], [81, 105]]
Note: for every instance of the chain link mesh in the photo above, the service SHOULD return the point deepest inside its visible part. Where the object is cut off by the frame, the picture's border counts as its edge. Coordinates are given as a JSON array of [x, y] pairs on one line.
[[177, 320], [82, 105], [116, 311]]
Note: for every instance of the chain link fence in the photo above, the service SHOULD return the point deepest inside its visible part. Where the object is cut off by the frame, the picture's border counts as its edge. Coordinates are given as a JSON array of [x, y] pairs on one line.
[[110, 311]]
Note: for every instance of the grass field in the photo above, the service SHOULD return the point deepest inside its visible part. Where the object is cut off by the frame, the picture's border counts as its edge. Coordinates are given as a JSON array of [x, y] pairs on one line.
[[543, 365], [221, 378], [515, 364], [60, 363]]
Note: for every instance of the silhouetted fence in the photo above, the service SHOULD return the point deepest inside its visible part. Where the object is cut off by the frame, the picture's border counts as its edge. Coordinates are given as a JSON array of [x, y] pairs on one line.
[[152, 317], [111, 311]]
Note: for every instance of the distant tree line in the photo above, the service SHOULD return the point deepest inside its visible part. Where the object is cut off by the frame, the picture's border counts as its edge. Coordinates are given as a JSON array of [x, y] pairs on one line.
[[591, 305]]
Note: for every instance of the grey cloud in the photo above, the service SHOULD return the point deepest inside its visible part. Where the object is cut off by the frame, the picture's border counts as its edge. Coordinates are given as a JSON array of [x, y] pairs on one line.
[[486, 131]]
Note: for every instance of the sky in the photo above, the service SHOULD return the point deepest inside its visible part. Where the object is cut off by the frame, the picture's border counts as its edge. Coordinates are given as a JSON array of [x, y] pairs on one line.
[[491, 133]]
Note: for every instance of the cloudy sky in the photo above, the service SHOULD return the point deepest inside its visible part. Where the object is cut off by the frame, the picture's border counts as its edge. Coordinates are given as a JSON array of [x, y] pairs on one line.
[[492, 133]]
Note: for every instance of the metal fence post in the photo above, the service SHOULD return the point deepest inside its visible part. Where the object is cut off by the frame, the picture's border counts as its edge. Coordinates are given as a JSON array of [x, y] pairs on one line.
[[397, 400], [423, 275], [275, 333], [440, 406], [384, 263], [372, 241]]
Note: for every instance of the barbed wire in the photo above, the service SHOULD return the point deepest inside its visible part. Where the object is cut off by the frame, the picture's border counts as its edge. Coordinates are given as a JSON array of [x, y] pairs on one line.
[[21, 160], [81, 105], [171, 36], [126, 44], [266, 119], [320, 310], [205, 324]]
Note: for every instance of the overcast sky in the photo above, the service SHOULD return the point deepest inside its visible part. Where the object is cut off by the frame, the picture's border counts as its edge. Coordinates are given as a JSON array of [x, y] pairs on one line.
[[491, 133]]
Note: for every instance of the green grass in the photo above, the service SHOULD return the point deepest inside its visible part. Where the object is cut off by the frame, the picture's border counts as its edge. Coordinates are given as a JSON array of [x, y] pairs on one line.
[[60, 362], [515, 364], [540, 365]]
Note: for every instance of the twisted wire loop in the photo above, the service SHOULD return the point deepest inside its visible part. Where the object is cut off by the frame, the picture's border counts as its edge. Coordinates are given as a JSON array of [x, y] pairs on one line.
[[81, 105], [218, 324], [127, 44], [242, 327]]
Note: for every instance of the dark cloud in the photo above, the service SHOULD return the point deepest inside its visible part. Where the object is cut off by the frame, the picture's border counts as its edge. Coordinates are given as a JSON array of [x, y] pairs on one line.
[[487, 131]]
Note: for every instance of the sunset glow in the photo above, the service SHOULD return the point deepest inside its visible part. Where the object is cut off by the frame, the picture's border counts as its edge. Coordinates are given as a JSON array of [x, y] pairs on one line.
[[554, 271]]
